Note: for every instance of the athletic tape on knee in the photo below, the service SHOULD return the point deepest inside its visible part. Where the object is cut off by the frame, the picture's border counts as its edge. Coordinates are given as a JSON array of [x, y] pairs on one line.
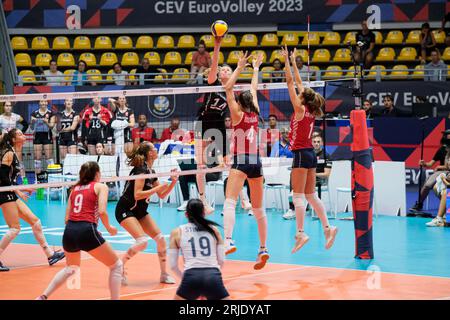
[[312, 198], [117, 267], [259, 213], [229, 204], [9, 236], [140, 244], [37, 164], [298, 199]]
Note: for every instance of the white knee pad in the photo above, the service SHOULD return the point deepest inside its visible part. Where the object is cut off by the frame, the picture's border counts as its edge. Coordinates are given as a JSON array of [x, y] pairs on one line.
[[37, 227], [312, 198], [298, 199], [259, 213], [37, 164], [117, 268], [12, 233], [160, 242], [229, 204], [140, 244]]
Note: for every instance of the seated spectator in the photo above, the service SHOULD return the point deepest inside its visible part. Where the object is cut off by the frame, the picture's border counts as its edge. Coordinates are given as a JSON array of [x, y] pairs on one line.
[[143, 132], [53, 76], [367, 107], [365, 40], [173, 132], [441, 157], [120, 77], [427, 42], [389, 108], [303, 70], [440, 189], [281, 148], [277, 74], [149, 71], [446, 30], [436, 70], [201, 60], [80, 77]]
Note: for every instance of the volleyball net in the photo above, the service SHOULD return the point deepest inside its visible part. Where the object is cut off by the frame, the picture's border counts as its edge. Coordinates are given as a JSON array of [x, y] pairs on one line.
[[165, 116]]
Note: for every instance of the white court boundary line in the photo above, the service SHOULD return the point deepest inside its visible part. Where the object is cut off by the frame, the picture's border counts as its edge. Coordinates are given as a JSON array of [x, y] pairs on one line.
[[146, 92]]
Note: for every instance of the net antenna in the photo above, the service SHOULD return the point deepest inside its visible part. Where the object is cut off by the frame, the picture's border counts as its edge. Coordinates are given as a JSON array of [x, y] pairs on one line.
[[307, 34]]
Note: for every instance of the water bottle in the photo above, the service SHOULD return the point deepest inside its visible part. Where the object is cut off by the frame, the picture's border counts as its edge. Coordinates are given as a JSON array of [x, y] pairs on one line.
[[25, 180], [40, 194]]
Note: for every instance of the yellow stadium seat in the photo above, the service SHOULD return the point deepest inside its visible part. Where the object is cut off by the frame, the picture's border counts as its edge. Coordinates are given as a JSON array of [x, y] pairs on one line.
[[221, 57], [124, 42], [162, 77], [342, 55], [188, 58], [109, 77], [290, 39], [394, 37], [256, 52], [267, 72], [321, 55], [233, 57], [42, 60], [82, 43], [144, 42], [172, 57], [23, 60], [439, 36], [165, 42], [351, 71], [61, 43], [413, 37], [407, 54], [386, 54], [108, 59], [418, 71], [446, 54], [303, 53], [27, 76], [314, 39], [249, 40], [332, 39], [400, 72], [69, 74], [350, 37], [39, 43], [229, 41], [153, 58], [269, 40], [333, 72], [378, 37], [130, 59], [208, 40], [246, 74], [66, 59], [89, 58], [276, 54], [132, 74], [186, 41], [103, 42], [180, 75], [374, 70], [94, 75], [19, 43]]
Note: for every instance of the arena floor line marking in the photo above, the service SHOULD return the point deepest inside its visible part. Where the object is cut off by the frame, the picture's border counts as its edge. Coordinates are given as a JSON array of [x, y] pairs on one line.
[[225, 279]]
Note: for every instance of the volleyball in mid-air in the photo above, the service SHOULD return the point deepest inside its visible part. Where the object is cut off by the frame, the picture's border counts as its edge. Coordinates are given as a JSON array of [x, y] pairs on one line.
[[219, 28]]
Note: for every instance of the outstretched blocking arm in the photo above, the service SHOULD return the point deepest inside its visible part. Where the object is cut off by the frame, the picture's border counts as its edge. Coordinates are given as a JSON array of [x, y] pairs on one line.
[[299, 109], [235, 111], [254, 88]]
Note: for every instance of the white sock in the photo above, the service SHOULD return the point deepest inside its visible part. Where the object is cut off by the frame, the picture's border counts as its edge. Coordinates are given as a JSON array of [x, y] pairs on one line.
[[60, 278], [115, 279], [39, 236], [299, 203], [319, 208], [229, 217]]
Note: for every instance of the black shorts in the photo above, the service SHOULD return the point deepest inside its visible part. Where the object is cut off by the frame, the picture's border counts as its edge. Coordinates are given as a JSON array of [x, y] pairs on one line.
[[249, 164], [42, 138], [205, 282], [81, 236], [96, 138], [124, 210], [7, 196], [66, 142], [304, 158]]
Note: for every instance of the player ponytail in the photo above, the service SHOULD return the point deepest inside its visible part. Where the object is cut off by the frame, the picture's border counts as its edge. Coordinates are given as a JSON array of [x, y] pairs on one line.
[[6, 141], [88, 172], [138, 156], [195, 212], [315, 101], [245, 99]]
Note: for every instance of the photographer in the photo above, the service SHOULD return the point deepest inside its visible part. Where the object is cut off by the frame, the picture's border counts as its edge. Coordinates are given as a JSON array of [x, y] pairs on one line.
[[442, 156], [365, 40]]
